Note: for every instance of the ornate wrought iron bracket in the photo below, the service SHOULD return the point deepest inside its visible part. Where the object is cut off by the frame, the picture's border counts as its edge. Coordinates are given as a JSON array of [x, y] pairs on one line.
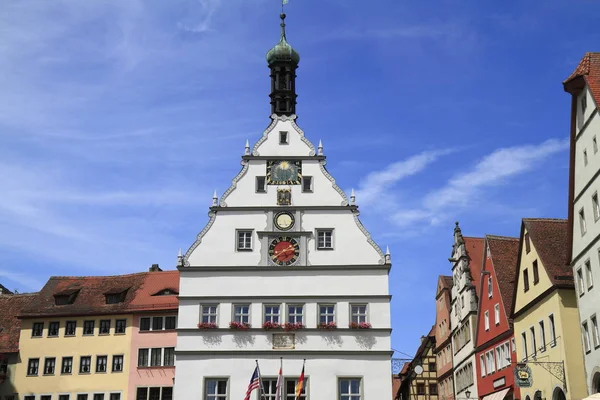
[[554, 368], [398, 363]]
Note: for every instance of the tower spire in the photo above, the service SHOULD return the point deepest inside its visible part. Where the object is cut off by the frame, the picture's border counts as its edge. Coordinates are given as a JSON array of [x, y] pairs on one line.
[[283, 61]]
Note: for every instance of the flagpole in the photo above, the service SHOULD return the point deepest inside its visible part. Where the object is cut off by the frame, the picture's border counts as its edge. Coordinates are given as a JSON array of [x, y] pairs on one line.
[[260, 384]]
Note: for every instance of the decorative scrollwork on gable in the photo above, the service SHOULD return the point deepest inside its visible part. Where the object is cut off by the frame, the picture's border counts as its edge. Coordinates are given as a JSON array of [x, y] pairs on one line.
[[369, 238], [303, 137], [333, 184], [283, 118], [264, 135], [212, 215], [234, 182]]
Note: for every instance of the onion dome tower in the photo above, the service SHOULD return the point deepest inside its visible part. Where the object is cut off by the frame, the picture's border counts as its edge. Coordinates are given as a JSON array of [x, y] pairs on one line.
[[283, 61]]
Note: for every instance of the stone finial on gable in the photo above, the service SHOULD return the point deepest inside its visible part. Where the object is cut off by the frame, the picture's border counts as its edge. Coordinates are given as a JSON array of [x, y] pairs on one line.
[[388, 256], [352, 198], [180, 258], [320, 148], [215, 199], [247, 148], [458, 237]]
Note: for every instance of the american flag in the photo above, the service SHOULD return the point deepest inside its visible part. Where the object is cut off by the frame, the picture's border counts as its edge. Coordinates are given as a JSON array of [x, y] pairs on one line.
[[254, 383]]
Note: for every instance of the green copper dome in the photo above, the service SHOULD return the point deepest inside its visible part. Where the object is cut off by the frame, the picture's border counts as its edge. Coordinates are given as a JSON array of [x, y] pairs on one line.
[[282, 51]]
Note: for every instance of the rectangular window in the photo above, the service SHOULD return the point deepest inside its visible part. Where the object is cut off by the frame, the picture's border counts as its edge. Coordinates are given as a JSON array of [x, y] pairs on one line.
[[88, 327], [588, 274], [307, 184], [324, 239], [580, 283], [527, 244], [482, 365], [85, 364], [261, 184], [70, 328], [536, 273], [295, 314], [38, 329], [98, 396], [486, 317], [215, 389], [542, 336], [101, 362], [533, 341], [526, 279], [586, 337], [582, 225], [326, 314], [170, 322], [33, 366], [358, 313], [46, 397], [120, 326], [157, 323], [29, 398], [583, 102], [155, 357], [552, 331], [63, 397], [82, 397], [209, 314], [290, 390], [104, 327], [524, 342], [596, 207], [141, 393], [145, 324], [115, 396], [169, 357], [283, 137], [350, 389], [67, 365], [154, 393], [433, 390], [513, 345], [167, 393], [490, 287], [53, 328], [244, 240], [269, 389], [595, 332], [272, 313], [143, 357], [49, 365], [432, 367], [497, 314], [241, 313], [595, 144], [420, 391], [117, 363]]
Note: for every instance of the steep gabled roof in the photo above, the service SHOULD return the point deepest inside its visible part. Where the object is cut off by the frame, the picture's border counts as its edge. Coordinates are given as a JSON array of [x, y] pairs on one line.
[[10, 326], [550, 238], [87, 294], [588, 70], [474, 247], [504, 252], [4, 290], [444, 283]]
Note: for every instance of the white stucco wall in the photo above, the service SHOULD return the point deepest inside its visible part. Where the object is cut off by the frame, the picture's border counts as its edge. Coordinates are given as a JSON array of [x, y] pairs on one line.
[[587, 247]]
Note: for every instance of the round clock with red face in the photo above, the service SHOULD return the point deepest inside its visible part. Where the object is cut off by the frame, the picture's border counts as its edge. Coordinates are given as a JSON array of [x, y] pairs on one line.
[[284, 250]]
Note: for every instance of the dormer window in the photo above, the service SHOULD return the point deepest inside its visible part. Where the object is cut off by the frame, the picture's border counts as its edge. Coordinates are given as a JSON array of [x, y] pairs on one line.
[[61, 300], [66, 297], [166, 292], [115, 298]]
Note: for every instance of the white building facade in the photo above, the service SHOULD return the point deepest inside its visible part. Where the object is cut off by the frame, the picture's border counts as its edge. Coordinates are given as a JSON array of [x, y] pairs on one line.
[[584, 212], [284, 272], [463, 317]]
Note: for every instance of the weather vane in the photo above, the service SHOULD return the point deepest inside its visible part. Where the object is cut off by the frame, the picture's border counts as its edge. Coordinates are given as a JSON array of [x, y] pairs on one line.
[[283, 3]]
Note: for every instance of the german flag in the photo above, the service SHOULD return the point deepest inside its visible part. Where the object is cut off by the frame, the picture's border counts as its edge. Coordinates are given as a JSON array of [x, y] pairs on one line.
[[300, 384]]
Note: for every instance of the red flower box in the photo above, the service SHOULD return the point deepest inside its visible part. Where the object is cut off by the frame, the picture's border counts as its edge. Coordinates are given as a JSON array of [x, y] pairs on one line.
[[293, 326], [271, 325], [242, 326], [207, 325], [328, 325], [359, 325]]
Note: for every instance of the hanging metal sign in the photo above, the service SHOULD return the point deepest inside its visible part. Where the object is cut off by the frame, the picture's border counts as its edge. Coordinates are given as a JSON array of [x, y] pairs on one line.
[[523, 376]]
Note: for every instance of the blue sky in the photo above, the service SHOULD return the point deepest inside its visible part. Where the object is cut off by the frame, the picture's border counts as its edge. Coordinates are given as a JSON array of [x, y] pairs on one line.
[[118, 119]]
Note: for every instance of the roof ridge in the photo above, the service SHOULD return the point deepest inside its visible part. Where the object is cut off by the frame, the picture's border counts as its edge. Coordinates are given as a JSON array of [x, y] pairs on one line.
[[473, 237], [546, 219], [498, 237], [108, 276]]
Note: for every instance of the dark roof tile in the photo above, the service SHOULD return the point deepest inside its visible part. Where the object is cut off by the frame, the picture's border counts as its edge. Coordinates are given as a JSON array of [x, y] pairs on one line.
[[504, 252], [10, 326]]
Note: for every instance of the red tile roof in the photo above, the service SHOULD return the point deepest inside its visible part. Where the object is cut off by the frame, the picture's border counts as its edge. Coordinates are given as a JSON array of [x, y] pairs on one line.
[[89, 292], [504, 252], [474, 247], [589, 70], [550, 239], [10, 326], [447, 281]]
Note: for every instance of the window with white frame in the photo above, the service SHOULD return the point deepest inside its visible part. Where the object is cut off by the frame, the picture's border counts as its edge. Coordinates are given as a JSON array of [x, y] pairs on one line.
[[101, 363], [533, 341], [117, 363], [490, 287], [595, 332], [482, 364], [154, 393], [215, 389], [324, 239], [513, 345], [580, 283], [244, 240], [295, 314], [272, 313], [585, 157], [326, 313], [241, 313], [358, 313], [49, 365], [307, 184], [486, 317], [209, 313], [524, 347], [269, 389], [586, 336], [552, 330], [350, 389], [283, 137], [595, 207], [490, 365], [67, 365], [588, 274], [261, 184], [582, 225], [542, 336], [595, 144], [497, 314], [290, 389]]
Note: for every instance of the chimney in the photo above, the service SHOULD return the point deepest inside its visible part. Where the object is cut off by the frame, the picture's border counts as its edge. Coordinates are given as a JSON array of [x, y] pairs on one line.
[[154, 268]]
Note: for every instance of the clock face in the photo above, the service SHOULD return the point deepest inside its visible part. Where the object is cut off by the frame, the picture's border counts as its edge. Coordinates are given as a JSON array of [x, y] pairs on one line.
[[284, 250], [284, 221], [281, 172]]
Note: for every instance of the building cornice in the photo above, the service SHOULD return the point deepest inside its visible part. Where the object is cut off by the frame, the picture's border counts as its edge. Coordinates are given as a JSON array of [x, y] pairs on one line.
[[275, 353], [254, 268], [443, 344], [283, 331], [591, 244], [287, 208], [585, 124], [539, 299], [291, 158], [445, 375], [495, 340], [293, 298]]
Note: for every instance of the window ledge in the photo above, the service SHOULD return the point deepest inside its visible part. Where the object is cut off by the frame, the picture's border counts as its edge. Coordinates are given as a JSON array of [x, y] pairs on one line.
[[324, 248]]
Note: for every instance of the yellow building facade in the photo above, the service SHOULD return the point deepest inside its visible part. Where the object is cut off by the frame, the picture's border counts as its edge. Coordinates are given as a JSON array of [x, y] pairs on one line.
[[419, 377], [546, 319], [90, 362]]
